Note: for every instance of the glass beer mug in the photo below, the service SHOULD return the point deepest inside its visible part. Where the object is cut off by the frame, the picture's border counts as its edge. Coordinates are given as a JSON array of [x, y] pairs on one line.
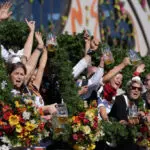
[[134, 58], [107, 54], [60, 119], [51, 42], [133, 112]]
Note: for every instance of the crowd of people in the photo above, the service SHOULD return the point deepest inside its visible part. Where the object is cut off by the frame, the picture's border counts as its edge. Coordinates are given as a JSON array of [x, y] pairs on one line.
[[23, 68], [26, 76]]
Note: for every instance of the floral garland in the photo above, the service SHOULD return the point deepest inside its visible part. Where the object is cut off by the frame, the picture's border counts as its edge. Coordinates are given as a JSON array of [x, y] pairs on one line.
[[86, 128], [21, 123]]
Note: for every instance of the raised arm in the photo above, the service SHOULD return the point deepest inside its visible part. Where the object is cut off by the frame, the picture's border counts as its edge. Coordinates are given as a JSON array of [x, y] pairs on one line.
[[4, 11], [31, 64], [29, 42], [96, 79], [116, 69], [91, 45], [42, 64]]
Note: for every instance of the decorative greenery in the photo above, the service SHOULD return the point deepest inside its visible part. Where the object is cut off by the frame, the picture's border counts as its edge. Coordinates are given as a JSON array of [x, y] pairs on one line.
[[73, 45], [119, 133], [68, 52], [13, 34], [5, 85], [68, 88]]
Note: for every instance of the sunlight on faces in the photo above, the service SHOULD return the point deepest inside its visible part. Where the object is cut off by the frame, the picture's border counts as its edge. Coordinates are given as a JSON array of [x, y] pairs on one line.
[[116, 81], [135, 90], [17, 77]]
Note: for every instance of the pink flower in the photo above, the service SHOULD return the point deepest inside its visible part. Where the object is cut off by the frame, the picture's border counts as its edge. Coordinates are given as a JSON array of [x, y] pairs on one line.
[[75, 137], [143, 3], [6, 108]]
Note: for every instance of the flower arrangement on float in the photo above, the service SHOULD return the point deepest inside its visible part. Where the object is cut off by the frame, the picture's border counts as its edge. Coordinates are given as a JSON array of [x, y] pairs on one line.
[[143, 138], [21, 124], [86, 128]]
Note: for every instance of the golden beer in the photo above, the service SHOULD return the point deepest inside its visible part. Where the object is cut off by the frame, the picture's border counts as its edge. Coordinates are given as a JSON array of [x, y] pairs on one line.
[[60, 120], [108, 58]]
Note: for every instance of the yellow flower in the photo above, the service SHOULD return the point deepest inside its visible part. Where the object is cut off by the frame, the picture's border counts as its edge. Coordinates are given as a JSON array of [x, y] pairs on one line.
[[28, 101], [20, 136], [76, 127], [26, 133], [18, 128], [31, 137], [86, 129], [13, 120], [30, 126], [90, 114], [78, 147], [17, 104], [91, 147]]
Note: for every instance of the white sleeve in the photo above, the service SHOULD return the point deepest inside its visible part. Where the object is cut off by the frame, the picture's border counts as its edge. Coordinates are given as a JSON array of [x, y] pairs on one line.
[[79, 67], [100, 102], [96, 79], [4, 53]]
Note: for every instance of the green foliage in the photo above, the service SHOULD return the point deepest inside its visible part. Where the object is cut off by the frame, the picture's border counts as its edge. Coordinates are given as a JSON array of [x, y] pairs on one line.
[[68, 88], [5, 85], [119, 133], [13, 34], [73, 45]]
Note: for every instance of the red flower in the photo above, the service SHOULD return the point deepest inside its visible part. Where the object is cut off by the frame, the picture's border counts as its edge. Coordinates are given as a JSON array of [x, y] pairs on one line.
[[8, 129], [81, 136], [76, 119], [21, 120], [41, 126], [1, 133], [81, 115], [85, 121], [75, 137], [6, 115], [144, 129], [95, 118], [95, 125]]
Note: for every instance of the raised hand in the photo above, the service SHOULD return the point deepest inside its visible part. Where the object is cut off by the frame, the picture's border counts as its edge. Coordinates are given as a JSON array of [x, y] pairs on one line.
[[94, 44], [87, 40], [31, 25], [39, 39], [101, 64], [86, 36], [126, 61], [52, 108], [140, 68], [4, 11], [83, 90]]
